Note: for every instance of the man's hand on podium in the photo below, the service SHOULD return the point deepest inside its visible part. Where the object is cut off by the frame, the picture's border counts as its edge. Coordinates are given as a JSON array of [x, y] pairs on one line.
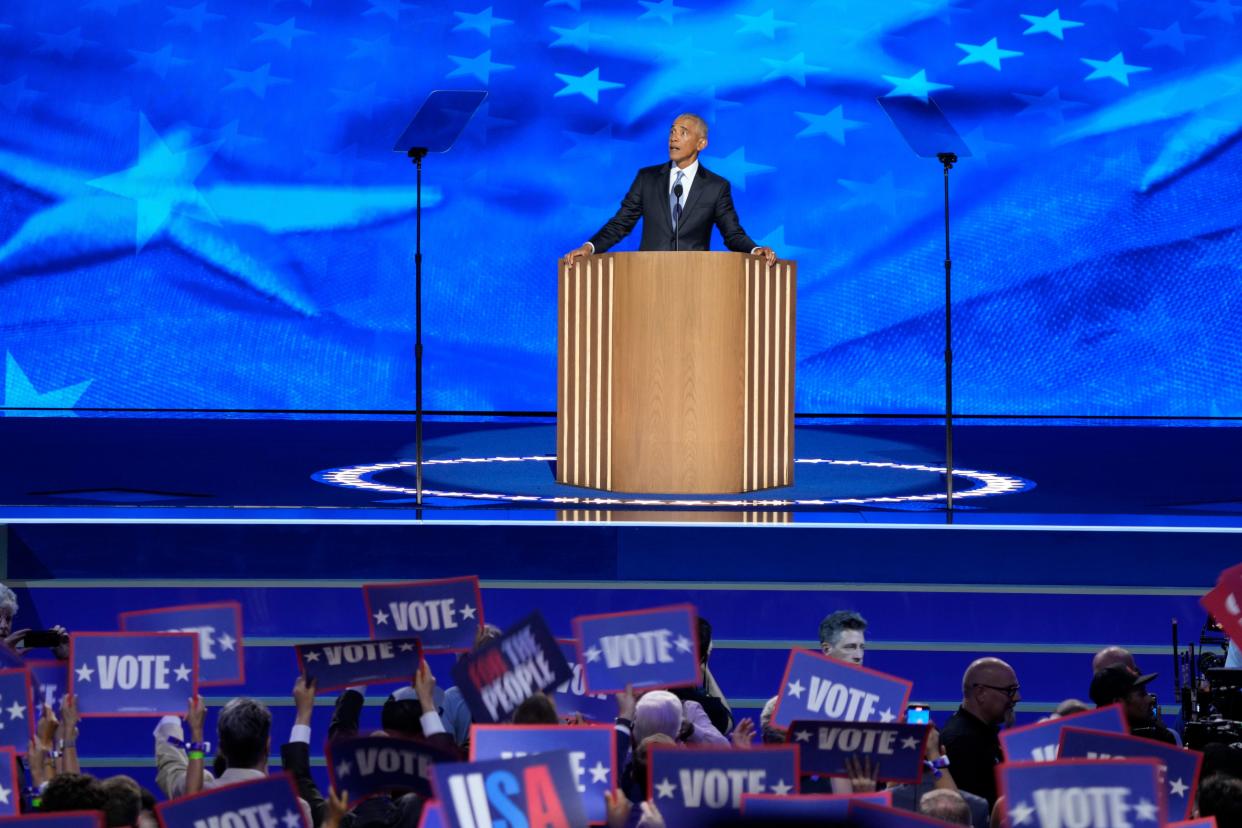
[[577, 253], [767, 253]]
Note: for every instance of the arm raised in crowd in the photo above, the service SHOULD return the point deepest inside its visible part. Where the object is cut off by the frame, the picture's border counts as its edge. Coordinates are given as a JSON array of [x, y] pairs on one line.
[[295, 754]]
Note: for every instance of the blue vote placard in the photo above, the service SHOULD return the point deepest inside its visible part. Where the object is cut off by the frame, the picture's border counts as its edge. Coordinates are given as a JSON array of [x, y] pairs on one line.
[[432, 815], [645, 649], [1180, 767], [221, 658], [10, 783], [1038, 742], [445, 614], [339, 664], [699, 786], [1200, 822], [270, 802], [819, 688], [63, 819], [49, 681], [498, 677], [572, 697], [133, 673], [16, 713], [525, 790], [370, 765], [823, 808], [870, 815], [592, 755], [896, 748], [1084, 793]]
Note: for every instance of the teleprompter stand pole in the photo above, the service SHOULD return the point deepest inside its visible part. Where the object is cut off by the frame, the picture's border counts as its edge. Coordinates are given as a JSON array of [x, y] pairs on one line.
[[948, 159], [417, 154]]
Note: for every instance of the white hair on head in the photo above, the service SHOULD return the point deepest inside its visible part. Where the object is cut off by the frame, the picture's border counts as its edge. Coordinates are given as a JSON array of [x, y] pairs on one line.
[[698, 122]]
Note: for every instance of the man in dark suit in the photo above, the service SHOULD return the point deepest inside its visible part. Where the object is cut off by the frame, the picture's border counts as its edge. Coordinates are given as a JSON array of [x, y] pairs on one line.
[[679, 202]]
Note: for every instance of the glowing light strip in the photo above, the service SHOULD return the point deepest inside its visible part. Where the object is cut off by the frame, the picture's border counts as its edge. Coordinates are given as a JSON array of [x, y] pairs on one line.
[[359, 477]]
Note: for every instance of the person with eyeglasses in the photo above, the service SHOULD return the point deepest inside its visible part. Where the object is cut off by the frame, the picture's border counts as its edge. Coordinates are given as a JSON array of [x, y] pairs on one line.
[[971, 737]]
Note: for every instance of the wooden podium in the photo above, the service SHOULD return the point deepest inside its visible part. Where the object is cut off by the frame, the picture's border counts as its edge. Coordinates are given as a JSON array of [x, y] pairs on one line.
[[675, 373]]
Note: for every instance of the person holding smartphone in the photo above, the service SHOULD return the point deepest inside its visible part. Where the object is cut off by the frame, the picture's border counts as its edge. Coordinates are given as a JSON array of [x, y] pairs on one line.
[[56, 639]]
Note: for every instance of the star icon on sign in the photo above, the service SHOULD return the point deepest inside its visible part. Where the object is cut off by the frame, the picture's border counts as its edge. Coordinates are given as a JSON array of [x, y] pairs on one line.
[[380, 617], [1177, 787], [480, 66], [989, 53], [291, 819], [16, 711], [588, 86], [909, 743], [406, 647], [312, 656], [1051, 23], [1145, 810], [4, 795], [467, 611], [85, 673], [796, 688], [226, 642], [886, 715], [283, 33], [592, 654], [342, 769], [781, 787], [802, 736], [599, 772], [255, 80], [1115, 67], [665, 789], [183, 672], [1021, 813], [915, 86], [482, 22], [834, 124], [682, 643]]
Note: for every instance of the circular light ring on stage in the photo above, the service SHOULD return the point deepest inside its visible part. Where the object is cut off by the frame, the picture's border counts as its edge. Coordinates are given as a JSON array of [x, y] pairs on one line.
[[359, 477]]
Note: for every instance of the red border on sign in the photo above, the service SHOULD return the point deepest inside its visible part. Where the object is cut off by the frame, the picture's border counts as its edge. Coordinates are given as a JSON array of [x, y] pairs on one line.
[[297, 654], [15, 789], [73, 673], [98, 816], [886, 794], [286, 775], [658, 748], [30, 709], [237, 619], [428, 806], [905, 700], [1005, 735], [1002, 788], [1191, 789], [478, 600], [694, 638]]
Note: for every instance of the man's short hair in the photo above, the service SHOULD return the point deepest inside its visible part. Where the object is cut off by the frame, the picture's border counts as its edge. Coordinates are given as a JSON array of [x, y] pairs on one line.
[[538, 709], [705, 638], [698, 122], [1070, 707], [402, 713], [1220, 796], [244, 726], [124, 800], [74, 792], [830, 628], [946, 806]]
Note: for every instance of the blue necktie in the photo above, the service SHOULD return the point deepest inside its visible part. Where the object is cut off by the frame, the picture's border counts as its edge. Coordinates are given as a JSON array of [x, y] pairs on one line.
[[674, 200]]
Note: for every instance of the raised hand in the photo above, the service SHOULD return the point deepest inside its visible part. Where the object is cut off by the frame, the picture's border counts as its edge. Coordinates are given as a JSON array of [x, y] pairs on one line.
[[618, 808], [743, 734], [195, 715], [338, 807], [303, 699], [864, 775]]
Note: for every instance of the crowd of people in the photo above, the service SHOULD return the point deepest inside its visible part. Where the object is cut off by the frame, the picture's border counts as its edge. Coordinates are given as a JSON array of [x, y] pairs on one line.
[[959, 788]]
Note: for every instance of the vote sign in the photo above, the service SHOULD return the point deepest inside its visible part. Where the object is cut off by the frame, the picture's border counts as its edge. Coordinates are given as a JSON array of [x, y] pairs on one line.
[[871, 815], [370, 765], [495, 679], [445, 614], [828, 809], [896, 748], [1180, 767], [10, 784], [1200, 822], [527, 790], [592, 755], [1039, 742], [270, 802], [647, 649], [819, 688], [344, 663], [133, 673], [61, 819], [1224, 602], [221, 659], [16, 709], [49, 679], [572, 696], [699, 786], [1082, 793]]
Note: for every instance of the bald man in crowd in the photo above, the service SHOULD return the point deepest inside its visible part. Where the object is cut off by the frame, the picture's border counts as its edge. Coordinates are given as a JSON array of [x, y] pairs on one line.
[[990, 690], [1113, 656]]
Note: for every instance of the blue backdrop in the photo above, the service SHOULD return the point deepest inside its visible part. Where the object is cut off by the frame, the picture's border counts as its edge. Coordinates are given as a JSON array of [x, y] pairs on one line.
[[198, 205]]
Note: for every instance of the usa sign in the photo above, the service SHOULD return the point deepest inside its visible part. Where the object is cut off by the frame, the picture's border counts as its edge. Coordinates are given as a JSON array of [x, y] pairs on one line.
[[572, 697], [498, 677], [15, 709], [700, 786], [526, 790], [270, 802], [370, 765], [132, 673], [1038, 742], [1180, 767], [897, 749], [1082, 793], [646, 649], [819, 688], [10, 784], [592, 754], [825, 808], [344, 663], [221, 658], [445, 614]]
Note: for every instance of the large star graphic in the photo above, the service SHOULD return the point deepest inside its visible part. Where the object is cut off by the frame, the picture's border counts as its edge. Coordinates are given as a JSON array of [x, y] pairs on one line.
[[158, 62], [192, 17], [989, 53], [283, 33], [1115, 68], [1049, 103], [1172, 36], [735, 167], [665, 10], [65, 44], [19, 392], [480, 66], [882, 192], [834, 124], [482, 22], [588, 86], [255, 81], [580, 37], [1051, 23], [1222, 10], [765, 24], [915, 86], [795, 68]]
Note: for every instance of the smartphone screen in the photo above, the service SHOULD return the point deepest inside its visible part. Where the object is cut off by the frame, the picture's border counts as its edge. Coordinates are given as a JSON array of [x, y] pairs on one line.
[[918, 714]]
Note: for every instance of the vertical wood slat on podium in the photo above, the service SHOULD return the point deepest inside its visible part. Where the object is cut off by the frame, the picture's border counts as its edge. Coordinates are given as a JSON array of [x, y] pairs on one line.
[[675, 373]]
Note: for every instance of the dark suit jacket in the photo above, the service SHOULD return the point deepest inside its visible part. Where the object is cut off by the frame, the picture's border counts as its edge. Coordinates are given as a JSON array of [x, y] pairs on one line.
[[710, 202]]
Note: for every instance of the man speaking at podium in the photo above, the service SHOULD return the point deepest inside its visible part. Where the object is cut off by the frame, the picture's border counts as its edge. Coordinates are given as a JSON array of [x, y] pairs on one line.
[[678, 203]]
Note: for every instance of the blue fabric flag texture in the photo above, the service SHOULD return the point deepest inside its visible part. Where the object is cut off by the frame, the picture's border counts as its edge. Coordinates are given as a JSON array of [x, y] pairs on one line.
[[1179, 767], [49, 681], [133, 673], [199, 206], [1081, 792], [340, 664], [644, 649], [10, 783], [271, 802], [523, 790], [897, 749], [370, 765], [572, 697], [444, 614], [16, 711], [592, 755], [498, 677], [699, 786], [827, 808], [1040, 742], [819, 688], [221, 658]]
